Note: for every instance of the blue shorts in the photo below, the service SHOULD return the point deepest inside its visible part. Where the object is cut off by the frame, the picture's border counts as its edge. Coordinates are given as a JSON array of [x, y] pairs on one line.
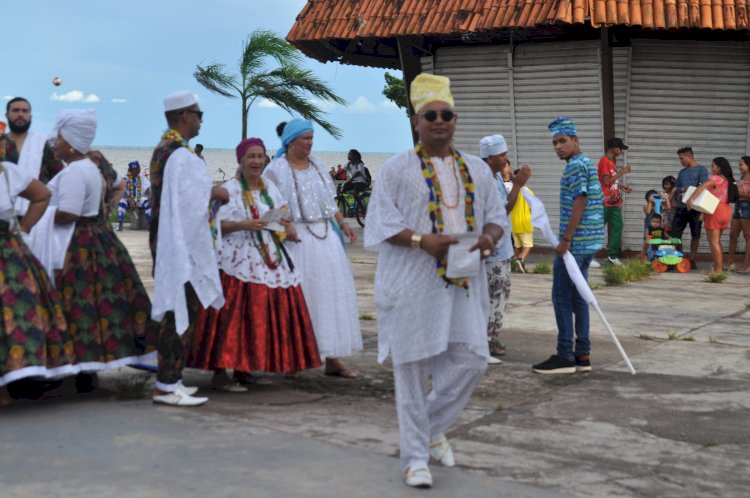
[[742, 210]]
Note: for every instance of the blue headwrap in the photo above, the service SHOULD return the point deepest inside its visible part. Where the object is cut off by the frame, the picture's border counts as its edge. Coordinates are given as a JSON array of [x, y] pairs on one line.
[[563, 126], [134, 165], [292, 130]]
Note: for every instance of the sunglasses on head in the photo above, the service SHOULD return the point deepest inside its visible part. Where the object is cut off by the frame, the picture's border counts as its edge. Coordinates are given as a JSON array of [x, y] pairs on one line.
[[446, 115]]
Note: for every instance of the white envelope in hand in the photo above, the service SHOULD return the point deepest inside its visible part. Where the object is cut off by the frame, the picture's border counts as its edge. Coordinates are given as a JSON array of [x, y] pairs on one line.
[[273, 217], [461, 262]]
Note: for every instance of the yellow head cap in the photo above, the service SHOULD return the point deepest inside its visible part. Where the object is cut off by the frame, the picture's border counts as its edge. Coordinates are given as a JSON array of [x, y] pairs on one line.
[[426, 88]]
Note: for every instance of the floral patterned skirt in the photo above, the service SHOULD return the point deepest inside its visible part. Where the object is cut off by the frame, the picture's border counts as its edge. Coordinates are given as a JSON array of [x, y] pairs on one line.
[[260, 328], [105, 304], [34, 341]]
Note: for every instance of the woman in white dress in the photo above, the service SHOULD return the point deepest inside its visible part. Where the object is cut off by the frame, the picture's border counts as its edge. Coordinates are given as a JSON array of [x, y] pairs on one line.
[[264, 324], [327, 280]]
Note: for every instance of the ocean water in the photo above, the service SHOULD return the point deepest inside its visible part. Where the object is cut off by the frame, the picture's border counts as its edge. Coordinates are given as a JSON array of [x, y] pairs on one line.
[[223, 163]]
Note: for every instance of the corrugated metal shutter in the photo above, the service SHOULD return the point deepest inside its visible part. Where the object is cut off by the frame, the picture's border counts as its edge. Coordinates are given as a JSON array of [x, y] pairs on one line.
[[621, 73], [683, 93], [480, 86], [550, 80]]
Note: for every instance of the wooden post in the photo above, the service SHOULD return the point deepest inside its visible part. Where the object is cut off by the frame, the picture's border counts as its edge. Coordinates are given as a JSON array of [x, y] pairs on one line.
[[410, 67], [608, 86]]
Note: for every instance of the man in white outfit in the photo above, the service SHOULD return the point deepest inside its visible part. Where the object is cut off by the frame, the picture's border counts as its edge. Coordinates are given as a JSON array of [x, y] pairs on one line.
[[29, 150], [433, 326]]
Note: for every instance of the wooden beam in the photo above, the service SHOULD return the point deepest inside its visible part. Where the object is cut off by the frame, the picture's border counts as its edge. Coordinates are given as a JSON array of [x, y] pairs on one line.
[[411, 66], [608, 86]]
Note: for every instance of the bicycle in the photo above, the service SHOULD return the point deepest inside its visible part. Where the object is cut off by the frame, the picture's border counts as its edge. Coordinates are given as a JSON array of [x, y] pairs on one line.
[[353, 204]]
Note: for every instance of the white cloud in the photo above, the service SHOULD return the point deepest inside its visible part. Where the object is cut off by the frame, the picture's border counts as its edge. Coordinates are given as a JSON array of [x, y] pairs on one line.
[[361, 106], [324, 106], [267, 104], [387, 104], [119, 101], [7, 97], [75, 96]]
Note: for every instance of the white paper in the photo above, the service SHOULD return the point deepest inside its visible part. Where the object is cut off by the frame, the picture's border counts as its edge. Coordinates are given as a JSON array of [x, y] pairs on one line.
[[461, 262], [273, 217]]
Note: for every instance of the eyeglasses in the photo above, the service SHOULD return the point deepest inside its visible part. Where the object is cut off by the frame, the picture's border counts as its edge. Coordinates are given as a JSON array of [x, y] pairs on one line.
[[446, 115], [197, 113]]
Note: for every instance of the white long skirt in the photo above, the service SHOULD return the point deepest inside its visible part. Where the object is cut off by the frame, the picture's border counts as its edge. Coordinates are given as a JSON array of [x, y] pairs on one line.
[[328, 286]]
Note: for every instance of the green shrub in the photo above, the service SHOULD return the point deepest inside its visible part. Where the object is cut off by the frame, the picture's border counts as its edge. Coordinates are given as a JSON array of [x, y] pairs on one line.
[[630, 271], [716, 277], [543, 267]]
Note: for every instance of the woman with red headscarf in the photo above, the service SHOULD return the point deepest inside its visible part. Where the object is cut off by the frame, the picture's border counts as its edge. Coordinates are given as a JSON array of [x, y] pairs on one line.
[[264, 324]]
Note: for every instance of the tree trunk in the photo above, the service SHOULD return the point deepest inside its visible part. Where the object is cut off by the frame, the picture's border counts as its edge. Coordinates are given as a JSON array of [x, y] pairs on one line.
[[244, 118]]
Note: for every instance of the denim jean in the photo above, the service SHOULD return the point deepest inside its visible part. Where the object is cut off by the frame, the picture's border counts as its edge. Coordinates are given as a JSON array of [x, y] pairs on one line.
[[567, 303]]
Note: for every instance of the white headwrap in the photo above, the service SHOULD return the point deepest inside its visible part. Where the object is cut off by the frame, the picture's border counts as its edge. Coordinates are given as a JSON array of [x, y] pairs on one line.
[[77, 127], [492, 146]]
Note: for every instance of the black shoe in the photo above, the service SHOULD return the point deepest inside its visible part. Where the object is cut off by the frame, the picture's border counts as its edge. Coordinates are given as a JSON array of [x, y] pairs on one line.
[[85, 383], [583, 363], [119, 227], [693, 265], [555, 365]]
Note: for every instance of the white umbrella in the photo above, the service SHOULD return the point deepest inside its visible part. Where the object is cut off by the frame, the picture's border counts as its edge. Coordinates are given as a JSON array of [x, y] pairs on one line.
[[540, 220]]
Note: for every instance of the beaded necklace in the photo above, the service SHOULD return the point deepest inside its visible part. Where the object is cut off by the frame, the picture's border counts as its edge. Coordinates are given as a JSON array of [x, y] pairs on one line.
[[252, 213], [176, 136], [135, 189], [299, 203], [436, 201]]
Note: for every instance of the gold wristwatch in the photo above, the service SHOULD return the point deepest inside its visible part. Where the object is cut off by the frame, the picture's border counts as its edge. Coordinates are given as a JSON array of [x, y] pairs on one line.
[[416, 240]]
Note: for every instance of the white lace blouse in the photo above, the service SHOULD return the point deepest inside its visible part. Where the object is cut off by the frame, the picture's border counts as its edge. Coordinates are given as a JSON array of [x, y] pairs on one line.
[[309, 194]]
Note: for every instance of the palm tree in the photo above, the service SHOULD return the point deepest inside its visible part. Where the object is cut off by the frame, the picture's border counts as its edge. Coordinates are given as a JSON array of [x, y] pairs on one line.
[[289, 85]]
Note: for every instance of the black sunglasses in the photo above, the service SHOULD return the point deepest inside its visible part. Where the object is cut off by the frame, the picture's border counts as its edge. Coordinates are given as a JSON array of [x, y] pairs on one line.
[[444, 115], [198, 113]]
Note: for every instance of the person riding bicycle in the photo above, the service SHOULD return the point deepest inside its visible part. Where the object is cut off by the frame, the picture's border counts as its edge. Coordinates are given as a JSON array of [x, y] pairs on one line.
[[358, 176]]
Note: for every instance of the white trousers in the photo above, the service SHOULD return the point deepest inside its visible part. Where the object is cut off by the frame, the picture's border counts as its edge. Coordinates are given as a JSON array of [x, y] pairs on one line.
[[455, 374]]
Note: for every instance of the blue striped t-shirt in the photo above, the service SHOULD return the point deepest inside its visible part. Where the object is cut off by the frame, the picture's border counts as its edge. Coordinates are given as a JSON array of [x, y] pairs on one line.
[[580, 178]]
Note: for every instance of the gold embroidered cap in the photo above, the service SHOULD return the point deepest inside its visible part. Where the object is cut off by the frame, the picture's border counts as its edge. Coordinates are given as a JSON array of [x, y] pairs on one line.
[[426, 88]]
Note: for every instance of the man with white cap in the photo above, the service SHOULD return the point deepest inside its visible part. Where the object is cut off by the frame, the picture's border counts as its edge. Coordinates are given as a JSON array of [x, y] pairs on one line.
[[432, 321], [494, 150], [27, 149], [581, 233], [186, 272]]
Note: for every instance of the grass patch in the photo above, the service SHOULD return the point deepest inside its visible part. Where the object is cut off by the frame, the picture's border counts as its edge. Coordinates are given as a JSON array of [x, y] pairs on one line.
[[134, 387], [366, 316], [630, 271], [499, 407], [645, 337], [716, 277], [713, 340], [595, 287], [688, 338], [544, 268], [747, 306], [710, 443], [673, 336]]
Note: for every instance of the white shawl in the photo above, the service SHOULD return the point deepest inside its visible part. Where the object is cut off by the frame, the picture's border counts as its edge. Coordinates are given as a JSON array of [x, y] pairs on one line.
[[184, 250], [30, 160]]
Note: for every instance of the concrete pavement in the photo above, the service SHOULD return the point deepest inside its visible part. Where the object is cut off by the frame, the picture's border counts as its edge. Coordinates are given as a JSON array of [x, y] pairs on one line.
[[677, 428]]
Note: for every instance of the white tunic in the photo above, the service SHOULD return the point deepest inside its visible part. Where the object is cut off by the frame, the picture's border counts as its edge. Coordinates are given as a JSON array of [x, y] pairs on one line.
[[327, 280], [239, 256], [418, 315], [30, 160], [19, 180], [184, 250]]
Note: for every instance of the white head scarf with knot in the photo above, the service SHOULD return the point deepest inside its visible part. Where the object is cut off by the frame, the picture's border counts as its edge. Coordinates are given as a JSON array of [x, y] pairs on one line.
[[77, 127]]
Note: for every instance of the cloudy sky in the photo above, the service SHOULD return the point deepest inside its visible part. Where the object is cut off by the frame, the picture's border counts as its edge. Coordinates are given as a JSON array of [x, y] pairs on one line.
[[121, 58]]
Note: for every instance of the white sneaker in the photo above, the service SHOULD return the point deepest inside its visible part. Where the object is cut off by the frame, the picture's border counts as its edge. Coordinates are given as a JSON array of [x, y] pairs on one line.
[[614, 261], [494, 361], [178, 398], [187, 390], [419, 477], [441, 451], [594, 264]]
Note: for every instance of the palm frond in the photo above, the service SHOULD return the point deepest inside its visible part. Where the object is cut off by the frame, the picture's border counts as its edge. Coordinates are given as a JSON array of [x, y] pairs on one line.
[[263, 44], [215, 78], [304, 80], [297, 103]]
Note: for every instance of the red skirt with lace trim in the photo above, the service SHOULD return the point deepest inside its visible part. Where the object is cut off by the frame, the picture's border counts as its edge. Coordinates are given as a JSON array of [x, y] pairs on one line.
[[259, 328]]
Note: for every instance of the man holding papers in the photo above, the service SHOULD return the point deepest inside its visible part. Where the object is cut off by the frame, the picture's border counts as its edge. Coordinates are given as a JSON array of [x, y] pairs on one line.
[[432, 305]]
